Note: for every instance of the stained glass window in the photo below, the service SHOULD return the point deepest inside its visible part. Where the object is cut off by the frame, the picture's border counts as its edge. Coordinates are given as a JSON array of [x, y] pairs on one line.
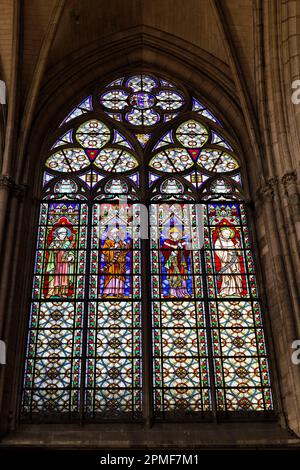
[[143, 145]]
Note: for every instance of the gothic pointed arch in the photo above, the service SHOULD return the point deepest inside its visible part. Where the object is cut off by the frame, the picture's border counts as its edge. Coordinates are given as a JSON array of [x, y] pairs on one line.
[[144, 139]]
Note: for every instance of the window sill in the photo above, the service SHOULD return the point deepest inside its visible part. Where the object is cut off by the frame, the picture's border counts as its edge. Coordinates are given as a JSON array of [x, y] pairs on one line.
[[159, 436]]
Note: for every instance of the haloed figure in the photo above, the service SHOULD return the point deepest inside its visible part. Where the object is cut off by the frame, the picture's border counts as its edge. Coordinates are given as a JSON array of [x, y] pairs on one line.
[[230, 281], [114, 253], [176, 255], [60, 263]]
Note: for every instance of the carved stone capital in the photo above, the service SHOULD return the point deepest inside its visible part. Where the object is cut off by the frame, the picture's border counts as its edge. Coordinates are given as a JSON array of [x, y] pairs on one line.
[[8, 184], [289, 179], [19, 190], [269, 190], [289, 183]]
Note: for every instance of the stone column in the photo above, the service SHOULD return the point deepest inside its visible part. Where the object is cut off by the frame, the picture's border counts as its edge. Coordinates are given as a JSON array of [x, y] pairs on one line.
[[10, 267], [283, 319], [290, 185]]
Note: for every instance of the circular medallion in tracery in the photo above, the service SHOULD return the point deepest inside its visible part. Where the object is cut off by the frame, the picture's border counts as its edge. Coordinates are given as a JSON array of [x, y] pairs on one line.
[[141, 100]]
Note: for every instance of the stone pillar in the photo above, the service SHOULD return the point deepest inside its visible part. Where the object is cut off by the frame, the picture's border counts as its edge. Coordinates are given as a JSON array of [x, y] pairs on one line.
[[289, 181], [283, 319], [6, 183], [10, 267]]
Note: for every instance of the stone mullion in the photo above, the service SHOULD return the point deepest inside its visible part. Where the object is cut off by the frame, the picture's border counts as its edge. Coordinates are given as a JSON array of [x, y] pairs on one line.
[[146, 304]]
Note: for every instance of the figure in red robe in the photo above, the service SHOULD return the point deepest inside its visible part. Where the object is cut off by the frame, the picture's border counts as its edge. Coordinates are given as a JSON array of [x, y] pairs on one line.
[[175, 253]]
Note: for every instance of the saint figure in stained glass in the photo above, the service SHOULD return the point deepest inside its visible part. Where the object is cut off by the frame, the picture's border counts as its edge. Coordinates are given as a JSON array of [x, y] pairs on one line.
[[115, 250], [176, 257], [60, 259], [229, 262]]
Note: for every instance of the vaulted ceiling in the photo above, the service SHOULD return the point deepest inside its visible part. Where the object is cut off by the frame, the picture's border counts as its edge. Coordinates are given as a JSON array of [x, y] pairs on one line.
[[84, 22]]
